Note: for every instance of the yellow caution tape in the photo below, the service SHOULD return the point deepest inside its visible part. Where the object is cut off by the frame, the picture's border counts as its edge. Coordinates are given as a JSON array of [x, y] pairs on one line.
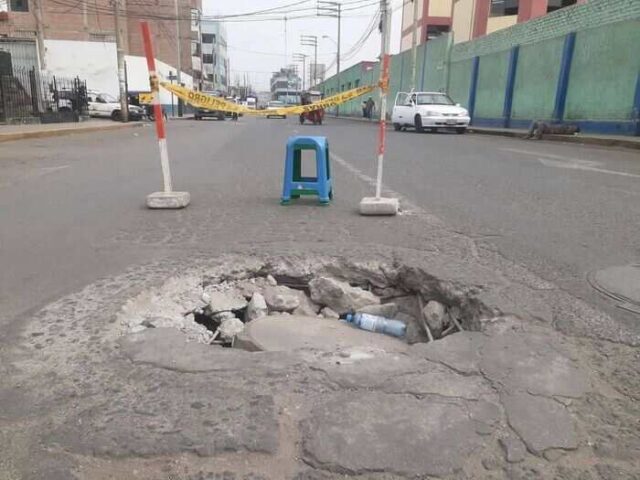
[[145, 98], [209, 102]]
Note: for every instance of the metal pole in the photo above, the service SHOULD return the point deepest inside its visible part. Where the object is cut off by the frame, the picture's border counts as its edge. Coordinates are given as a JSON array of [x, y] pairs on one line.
[[201, 51], [304, 72], [385, 15], [179, 50], [414, 44], [338, 55], [157, 109], [124, 101], [315, 59]]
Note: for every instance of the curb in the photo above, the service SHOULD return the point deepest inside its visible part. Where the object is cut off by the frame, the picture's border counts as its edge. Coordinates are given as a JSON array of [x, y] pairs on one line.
[[9, 137], [580, 139], [584, 140]]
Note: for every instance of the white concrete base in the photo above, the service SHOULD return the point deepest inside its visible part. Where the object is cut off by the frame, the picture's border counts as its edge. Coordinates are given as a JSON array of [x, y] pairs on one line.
[[168, 200], [379, 206]]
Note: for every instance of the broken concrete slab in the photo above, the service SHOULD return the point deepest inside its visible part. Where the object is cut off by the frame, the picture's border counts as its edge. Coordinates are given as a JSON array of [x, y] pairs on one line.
[[532, 363], [281, 299], [435, 314], [225, 301], [170, 415], [541, 423], [366, 432], [169, 349], [514, 449], [256, 308], [461, 352], [291, 332], [340, 296], [387, 310]]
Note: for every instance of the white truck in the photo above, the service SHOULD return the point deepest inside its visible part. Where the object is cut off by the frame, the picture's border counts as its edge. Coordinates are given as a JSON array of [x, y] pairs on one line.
[[428, 111]]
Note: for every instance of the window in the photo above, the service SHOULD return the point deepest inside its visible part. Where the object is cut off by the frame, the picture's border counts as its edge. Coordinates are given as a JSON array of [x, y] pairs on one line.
[[558, 4], [195, 20], [342, 88], [207, 58], [434, 31], [349, 86], [19, 5], [501, 8], [207, 37], [195, 49], [357, 83], [433, 99]]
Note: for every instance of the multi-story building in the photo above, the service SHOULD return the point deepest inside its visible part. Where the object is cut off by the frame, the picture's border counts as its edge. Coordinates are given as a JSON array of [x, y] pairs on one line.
[[77, 38], [215, 61], [475, 18], [434, 19], [286, 85], [469, 19]]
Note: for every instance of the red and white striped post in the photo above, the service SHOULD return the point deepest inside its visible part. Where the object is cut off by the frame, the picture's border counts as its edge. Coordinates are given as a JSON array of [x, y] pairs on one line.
[[378, 205], [382, 130], [167, 198]]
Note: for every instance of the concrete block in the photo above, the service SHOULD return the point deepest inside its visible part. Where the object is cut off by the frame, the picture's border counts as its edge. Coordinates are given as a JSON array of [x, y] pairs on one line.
[[168, 200], [379, 206]]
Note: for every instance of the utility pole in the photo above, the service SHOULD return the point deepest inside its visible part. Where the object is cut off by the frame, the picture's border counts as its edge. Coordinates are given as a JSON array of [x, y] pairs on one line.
[[201, 51], [414, 45], [312, 41], [333, 9], [37, 12], [122, 82], [301, 57], [179, 50]]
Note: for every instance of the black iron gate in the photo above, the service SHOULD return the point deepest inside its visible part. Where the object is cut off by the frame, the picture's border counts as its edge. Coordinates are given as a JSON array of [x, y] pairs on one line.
[[28, 96]]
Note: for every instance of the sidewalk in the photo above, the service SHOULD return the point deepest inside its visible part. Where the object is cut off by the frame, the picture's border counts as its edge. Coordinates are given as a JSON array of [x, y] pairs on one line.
[[603, 140], [20, 132], [590, 139]]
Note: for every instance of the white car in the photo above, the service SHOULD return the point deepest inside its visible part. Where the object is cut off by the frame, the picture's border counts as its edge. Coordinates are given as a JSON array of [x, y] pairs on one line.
[[107, 106], [428, 111], [275, 105]]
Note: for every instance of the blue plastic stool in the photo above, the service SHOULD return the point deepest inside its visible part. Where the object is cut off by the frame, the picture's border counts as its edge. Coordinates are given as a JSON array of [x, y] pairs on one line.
[[295, 184]]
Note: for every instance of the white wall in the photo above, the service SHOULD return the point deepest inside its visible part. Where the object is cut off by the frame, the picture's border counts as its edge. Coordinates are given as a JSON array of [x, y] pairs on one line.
[[138, 76], [95, 62]]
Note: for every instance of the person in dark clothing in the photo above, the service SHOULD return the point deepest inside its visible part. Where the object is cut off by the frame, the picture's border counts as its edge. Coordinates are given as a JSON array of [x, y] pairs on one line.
[[371, 105]]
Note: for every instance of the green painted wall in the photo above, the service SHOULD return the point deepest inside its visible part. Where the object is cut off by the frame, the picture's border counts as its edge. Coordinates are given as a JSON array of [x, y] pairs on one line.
[[603, 75], [435, 73], [606, 62], [492, 81], [536, 80], [460, 81]]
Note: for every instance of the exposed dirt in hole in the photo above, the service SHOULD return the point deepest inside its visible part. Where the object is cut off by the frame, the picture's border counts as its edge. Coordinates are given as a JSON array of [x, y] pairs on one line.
[[217, 307]]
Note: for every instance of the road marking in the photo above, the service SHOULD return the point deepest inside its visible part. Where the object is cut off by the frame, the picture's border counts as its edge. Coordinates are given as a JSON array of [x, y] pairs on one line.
[[550, 155], [407, 207], [582, 166], [46, 170]]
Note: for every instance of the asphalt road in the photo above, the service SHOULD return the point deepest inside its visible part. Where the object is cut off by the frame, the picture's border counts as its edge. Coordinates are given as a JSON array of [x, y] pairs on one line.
[[72, 208]]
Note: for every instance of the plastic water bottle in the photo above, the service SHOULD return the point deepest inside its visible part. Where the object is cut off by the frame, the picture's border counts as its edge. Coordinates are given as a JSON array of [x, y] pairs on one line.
[[375, 323]]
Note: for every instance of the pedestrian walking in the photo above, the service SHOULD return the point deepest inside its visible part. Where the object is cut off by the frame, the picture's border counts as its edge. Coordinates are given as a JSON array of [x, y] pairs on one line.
[[371, 106]]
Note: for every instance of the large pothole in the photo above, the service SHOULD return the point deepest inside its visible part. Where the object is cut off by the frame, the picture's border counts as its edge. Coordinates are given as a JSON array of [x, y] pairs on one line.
[[290, 303]]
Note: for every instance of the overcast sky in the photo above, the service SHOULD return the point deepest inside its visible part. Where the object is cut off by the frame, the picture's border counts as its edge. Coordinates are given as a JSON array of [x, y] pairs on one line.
[[257, 49]]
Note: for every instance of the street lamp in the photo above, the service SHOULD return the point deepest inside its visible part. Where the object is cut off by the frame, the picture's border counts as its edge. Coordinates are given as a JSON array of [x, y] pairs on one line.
[[312, 41], [301, 57]]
